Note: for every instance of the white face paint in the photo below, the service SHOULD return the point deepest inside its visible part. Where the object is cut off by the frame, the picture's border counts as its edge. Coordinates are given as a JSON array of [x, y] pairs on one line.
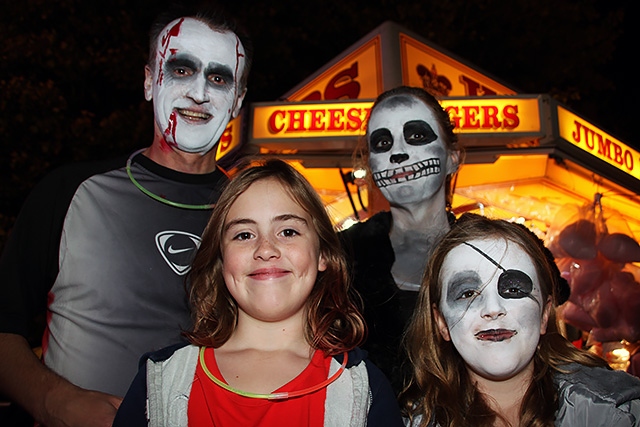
[[195, 84], [495, 325], [407, 154]]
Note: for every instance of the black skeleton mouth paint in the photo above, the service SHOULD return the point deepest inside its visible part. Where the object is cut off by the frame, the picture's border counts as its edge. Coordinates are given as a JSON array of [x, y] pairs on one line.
[[407, 173]]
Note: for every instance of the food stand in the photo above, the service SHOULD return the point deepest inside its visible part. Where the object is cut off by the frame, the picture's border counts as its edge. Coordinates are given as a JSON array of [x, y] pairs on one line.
[[528, 158]]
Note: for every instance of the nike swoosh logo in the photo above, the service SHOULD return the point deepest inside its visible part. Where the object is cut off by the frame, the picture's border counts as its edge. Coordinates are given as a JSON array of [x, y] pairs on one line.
[[177, 251]]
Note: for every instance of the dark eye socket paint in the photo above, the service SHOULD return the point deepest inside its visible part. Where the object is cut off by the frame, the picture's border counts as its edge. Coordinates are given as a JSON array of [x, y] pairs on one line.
[[187, 65], [380, 141], [217, 70], [462, 284], [418, 132], [512, 284]]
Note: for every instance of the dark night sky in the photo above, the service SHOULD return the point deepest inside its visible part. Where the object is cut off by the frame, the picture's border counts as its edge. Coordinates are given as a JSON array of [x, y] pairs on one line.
[[614, 111]]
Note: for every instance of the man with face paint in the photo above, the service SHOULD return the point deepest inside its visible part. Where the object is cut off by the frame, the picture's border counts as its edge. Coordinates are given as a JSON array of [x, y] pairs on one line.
[[485, 346], [411, 155], [103, 249]]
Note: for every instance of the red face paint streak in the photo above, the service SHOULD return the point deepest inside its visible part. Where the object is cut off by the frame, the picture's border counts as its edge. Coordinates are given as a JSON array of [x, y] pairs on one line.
[[171, 129], [165, 146], [235, 76], [164, 43]]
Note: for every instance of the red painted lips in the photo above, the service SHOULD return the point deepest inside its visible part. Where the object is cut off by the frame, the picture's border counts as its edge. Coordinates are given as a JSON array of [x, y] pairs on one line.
[[495, 335]]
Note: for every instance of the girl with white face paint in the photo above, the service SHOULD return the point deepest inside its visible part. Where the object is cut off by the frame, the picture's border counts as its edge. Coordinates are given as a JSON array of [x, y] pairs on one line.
[[493, 318], [485, 346]]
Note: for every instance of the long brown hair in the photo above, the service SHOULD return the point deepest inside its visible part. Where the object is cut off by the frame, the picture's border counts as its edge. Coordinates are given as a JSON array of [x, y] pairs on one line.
[[334, 322], [440, 387]]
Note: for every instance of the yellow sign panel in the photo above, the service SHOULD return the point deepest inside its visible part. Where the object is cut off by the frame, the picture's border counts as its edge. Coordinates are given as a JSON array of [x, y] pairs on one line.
[[589, 138], [308, 120], [494, 115], [230, 139], [357, 76], [423, 66]]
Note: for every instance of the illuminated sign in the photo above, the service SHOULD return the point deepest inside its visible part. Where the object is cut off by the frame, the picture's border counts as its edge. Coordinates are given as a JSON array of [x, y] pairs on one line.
[[589, 138], [494, 115], [357, 76], [230, 139], [426, 67], [308, 120], [348, 119]]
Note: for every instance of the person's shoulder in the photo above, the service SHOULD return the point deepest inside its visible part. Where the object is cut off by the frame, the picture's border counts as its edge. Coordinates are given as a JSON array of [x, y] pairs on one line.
[[76, 172], [354, 357], [358, 356], [598, 383], [163, 354], [378, 224]]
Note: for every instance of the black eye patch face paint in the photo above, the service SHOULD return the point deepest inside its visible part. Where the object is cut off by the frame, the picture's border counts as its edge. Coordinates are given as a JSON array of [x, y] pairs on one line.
[[418, 132], [381, 140], [512, 284]]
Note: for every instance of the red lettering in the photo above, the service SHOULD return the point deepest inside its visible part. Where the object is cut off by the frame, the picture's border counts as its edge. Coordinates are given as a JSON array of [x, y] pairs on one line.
[[473, 88], [343, 84], [470, 119], [273, 121], [354, 120], [604, 146], [313, 96], [617, 154], [226, 138], [490, 117], [335, 119], [366, 116], [317, 122], [628, 159], [590, 138], [296, 121], [576, 132], [511, 119]]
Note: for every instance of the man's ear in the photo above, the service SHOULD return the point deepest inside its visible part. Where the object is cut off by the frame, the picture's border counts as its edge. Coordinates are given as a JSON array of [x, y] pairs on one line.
[[440, 322], [148, 83], [453, 161], [238, 103]]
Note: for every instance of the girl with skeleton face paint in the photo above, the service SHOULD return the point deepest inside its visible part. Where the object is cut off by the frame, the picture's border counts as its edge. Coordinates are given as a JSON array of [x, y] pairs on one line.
[[484, 344], [410, 153]]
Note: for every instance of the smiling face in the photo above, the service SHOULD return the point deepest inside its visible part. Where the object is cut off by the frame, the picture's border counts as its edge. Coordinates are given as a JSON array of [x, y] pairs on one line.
[[271, 253], [407, 154], [194, 84], [493, 317]]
